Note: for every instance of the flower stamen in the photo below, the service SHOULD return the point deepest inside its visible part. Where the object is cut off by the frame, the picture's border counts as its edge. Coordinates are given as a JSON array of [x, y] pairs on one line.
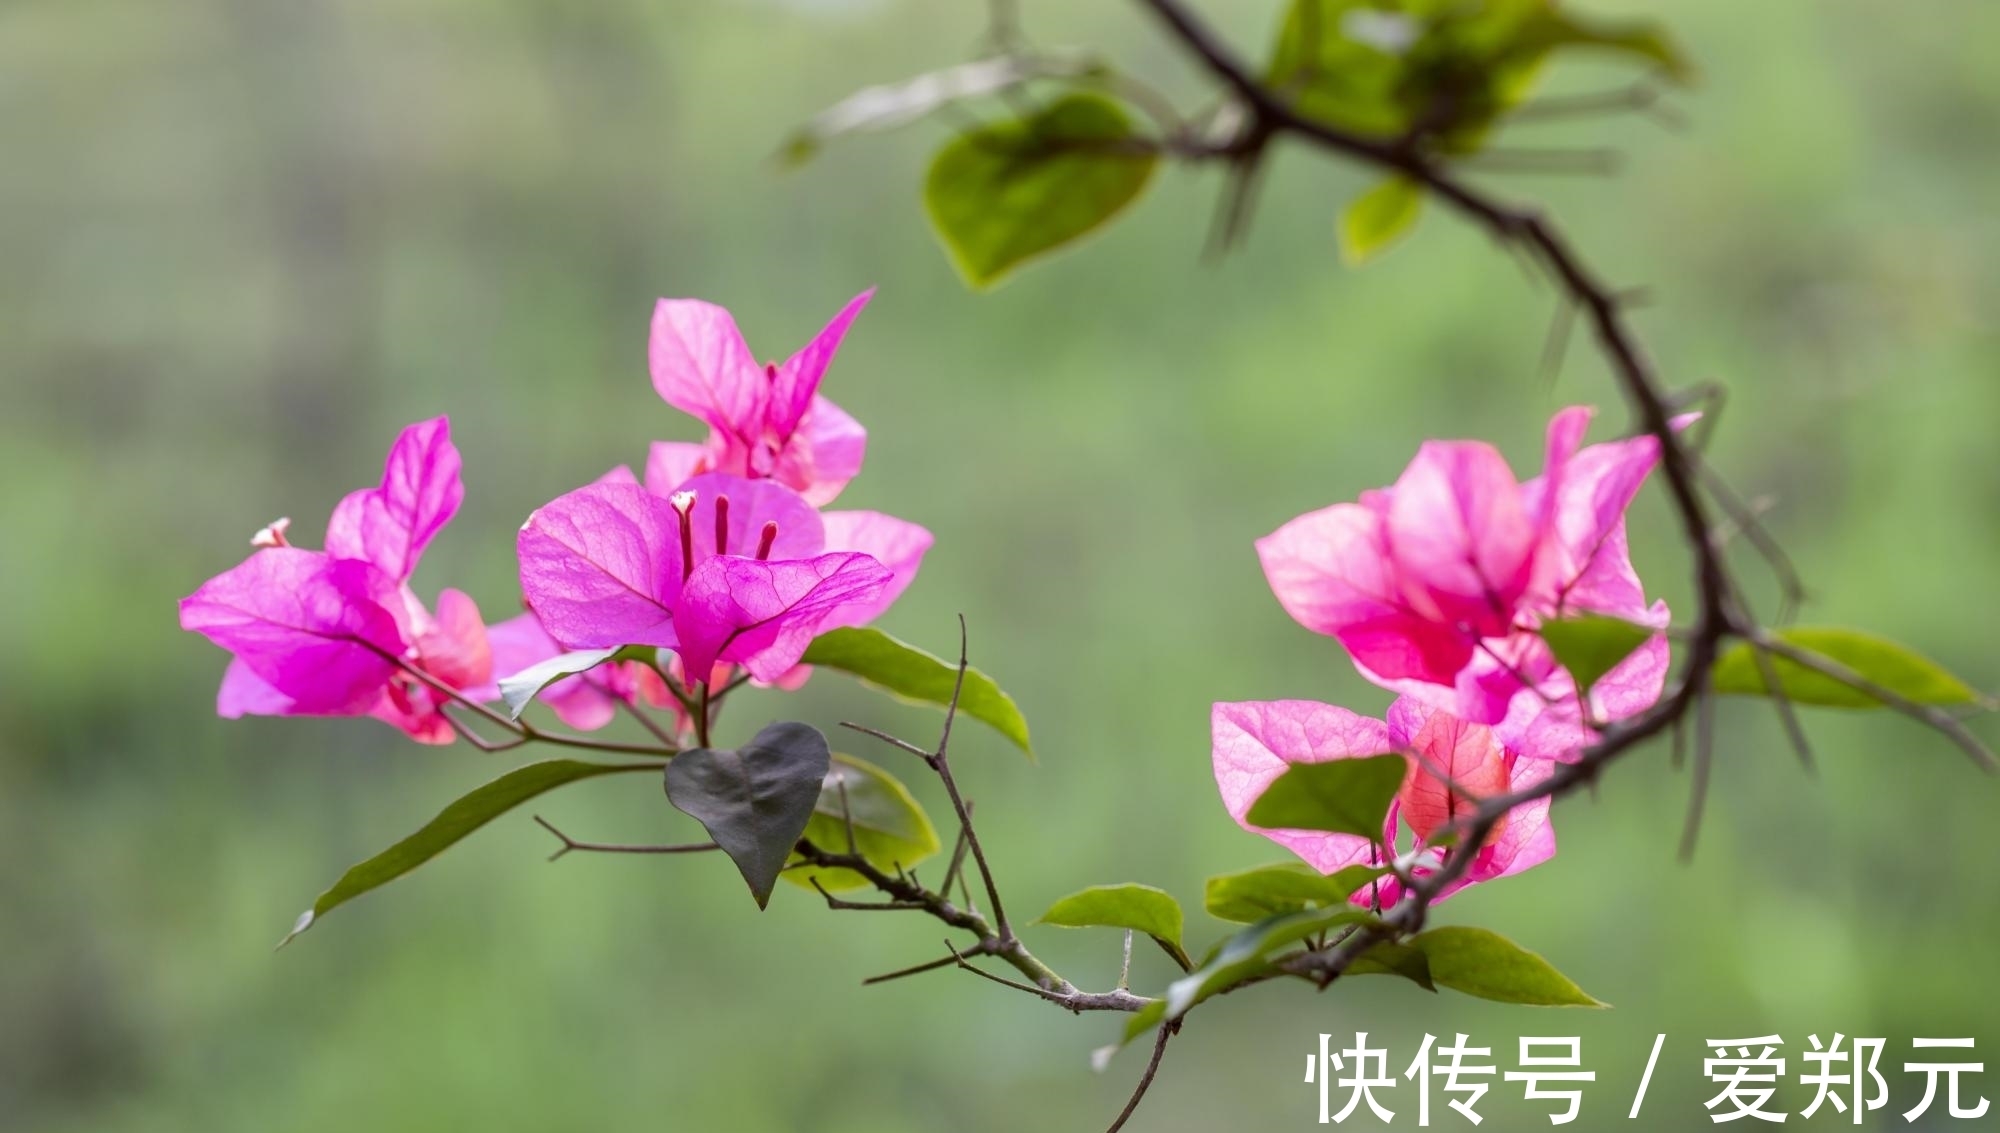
[[770, 536], [683, 505]]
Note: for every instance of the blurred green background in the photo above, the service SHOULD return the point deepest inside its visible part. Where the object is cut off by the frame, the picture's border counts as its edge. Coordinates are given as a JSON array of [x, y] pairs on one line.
[[242, 242]]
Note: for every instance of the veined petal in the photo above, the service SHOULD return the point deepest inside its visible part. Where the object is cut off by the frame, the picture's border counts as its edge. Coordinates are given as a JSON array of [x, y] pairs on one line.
[[601, 567], [391, 524], [1460, 536], [797, 380], [1524, 839], [1254, 742], [762, 615], [1454, 765], [895, 543], [702, 366], [316, 629], [1331, 572]]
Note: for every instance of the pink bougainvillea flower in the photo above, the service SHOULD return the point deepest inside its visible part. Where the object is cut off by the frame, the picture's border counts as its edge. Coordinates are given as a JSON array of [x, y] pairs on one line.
[[727, 569], [328, 632], [1453, 764], [765, 420], [1436, 584]]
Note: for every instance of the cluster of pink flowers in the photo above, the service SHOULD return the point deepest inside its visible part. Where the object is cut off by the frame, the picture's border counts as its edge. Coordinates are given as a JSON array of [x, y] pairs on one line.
[[721, 555], [1437, 587]]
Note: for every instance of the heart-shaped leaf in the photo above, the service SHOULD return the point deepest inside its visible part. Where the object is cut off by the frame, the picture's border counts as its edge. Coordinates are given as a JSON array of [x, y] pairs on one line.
[[754, 800], [1016, 189]]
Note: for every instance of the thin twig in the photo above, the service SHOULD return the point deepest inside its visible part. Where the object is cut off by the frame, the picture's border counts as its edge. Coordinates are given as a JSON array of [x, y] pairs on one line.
[[833, 902], [886, 738], [569, 844], [912, 970], [1167, 1031], [940, 762]]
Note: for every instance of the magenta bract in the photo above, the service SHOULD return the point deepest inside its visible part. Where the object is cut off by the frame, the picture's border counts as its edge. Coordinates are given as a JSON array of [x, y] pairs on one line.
[[328, 632]]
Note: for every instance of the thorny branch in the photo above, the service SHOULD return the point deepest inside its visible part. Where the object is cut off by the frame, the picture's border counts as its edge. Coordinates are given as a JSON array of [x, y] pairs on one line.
[[1239, 133], [1717, 619]]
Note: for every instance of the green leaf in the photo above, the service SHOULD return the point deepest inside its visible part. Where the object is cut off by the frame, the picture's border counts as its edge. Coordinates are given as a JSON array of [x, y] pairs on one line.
[[888, 106], [1276, 890], [890, 829], [1392, 959], [1591, 645], [914, 675], [1140, 908], [754, 800], [1488, 965], [1378, 218], [1013, 190], [520, 689], [1894, 667], [1642, 39], [454, 822], [1250, 952], [1343, 796]]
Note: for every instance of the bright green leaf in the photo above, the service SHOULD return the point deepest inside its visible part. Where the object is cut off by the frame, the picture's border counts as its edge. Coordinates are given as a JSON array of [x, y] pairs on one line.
[[1342, 796], [1378, 218], [1488, 965], [1250, 952], [754, 800], [1140, 908], [1885, 663], [1392, 959], [912, 674], [1276, 890], [454, 822], [890, 829], [1012, 190], [1591, 645]]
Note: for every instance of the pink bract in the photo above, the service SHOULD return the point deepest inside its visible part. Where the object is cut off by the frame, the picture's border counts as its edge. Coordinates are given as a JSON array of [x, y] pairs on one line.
[[1452, 764], [765, 420], [1436, 584], [728, 569], [327, 632]]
